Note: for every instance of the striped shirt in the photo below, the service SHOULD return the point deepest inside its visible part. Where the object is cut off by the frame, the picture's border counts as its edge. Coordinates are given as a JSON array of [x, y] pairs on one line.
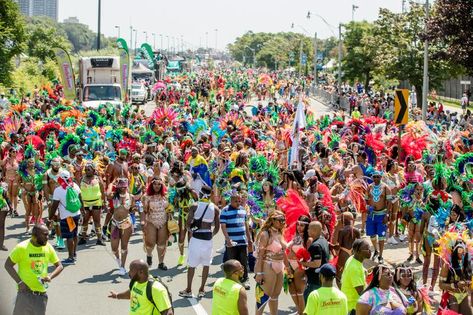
[[235, 220]]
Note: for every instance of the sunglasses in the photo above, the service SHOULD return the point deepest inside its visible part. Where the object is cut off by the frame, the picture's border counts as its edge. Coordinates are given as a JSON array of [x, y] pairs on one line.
[[281, 220]]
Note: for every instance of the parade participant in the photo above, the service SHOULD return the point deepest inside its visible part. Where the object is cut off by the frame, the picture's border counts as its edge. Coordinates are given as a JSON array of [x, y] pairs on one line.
[[455, 276], [10, 172], [121, 227], [405, 283], [94, 198], [343, 241], [137, 190], [411, 174], [155, 229], [67, 199], [319, 255], [413, 214], [5, 208], [199, 223], [183, 200], [354, 274], [393, 180], [78, 166], [378, 198], [270, 253], [229, 296], [33, 257], [237, 234], [380, 297], [50, 183], [327, 300], [119, 168], [145, 294], [296, 273]]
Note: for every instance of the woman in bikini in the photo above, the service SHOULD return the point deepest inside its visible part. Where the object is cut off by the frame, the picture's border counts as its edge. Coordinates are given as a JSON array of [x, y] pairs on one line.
[[296, 272], [121, 226], [10, 171], [268, 197], [31, 196], [270, 249], [405, 283], [455, 280], [393, 180], [156, 230]]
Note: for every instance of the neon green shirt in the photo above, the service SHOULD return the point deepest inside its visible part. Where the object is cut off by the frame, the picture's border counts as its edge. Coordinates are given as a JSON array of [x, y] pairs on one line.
[[226, 293], [139, 303], [354, 275], [326, 301], [355, 114], [33, 262]]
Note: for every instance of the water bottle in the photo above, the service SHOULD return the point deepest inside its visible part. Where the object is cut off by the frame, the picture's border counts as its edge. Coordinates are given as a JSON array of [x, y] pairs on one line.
[[44, 284]]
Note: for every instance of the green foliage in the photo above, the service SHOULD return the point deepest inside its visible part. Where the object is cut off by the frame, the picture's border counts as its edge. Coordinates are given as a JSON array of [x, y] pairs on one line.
[[12, 38], [33, 73], [80, 36], [360, 59], [43, 36]]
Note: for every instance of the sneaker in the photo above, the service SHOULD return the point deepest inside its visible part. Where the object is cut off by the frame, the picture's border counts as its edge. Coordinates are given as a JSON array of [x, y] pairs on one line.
[[185, 294], [149, 260], [60, 243], [247, 285], [402, 237], [68, 261], [221, 250], [122, 271], [100, 242], [419, 261], [162, 266], [82, 241], [180, 260], [15, 213], [380, 260], [410, 258], [392, 240], [375, 254]]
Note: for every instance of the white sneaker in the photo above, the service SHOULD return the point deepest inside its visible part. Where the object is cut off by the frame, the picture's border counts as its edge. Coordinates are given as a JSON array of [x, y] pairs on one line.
[[122, 271], [221, 250], [402, 237], [392, 241]]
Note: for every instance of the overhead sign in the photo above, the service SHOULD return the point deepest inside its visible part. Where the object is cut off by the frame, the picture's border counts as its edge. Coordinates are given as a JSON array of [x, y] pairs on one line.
[[465, 82], [401, 111]]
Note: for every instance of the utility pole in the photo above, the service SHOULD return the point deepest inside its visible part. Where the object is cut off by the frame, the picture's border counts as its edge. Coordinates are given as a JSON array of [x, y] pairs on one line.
[[154, 40], [136, 40], [118, 28], [162, 47], [315, 58], [98, 28], [131, 38], [207, 40], [403, 6], [216, 36], [300, 59], [353, 9], [339, 57], [425, 86], [146, 36]]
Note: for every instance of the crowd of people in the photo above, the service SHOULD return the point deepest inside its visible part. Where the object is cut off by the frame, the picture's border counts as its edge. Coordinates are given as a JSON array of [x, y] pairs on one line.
[[240, 152]]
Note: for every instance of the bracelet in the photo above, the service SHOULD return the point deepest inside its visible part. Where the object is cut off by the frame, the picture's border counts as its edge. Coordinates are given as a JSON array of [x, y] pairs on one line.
[[21, 281], [260, 273]]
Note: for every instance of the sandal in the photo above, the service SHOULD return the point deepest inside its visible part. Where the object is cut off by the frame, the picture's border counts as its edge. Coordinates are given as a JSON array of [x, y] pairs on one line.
[[201, 294], [185, 294]]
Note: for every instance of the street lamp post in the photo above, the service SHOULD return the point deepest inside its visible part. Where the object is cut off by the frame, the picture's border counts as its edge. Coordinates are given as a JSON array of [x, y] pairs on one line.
[[131, 38], [136, 39], [315, 58], [98, 28], [118, 28], [353, 9], [146, 36], [216, 36], [167, 51], [154, 40], [162, 47], [207, 40], [339, 57]]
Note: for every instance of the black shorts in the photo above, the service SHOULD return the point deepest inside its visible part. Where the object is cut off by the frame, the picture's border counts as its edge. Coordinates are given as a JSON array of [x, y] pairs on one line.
[[65, 232]]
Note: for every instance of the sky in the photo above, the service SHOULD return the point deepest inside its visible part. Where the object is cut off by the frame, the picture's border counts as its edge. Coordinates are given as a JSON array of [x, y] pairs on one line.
[[222, 20]]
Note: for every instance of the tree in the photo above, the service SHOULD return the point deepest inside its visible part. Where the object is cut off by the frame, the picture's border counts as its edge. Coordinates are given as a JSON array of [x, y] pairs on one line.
[[43, 36], [360, 58], [451, 27], [80, 36], [401, 50], [12, 38]]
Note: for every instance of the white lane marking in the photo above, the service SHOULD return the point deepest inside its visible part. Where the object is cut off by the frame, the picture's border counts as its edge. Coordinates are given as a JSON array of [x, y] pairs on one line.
[[198, 308]]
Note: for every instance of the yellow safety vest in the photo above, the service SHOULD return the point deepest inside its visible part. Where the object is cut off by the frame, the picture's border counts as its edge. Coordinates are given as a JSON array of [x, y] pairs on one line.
[[225, 297]]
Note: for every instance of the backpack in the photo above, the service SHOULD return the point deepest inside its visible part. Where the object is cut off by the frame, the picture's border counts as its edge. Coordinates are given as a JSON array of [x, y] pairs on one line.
[[72, 200], [149, 288]]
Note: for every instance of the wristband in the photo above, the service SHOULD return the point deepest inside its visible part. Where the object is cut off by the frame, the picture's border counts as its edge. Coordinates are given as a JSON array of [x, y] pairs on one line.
[[21, 281], [260, 273]]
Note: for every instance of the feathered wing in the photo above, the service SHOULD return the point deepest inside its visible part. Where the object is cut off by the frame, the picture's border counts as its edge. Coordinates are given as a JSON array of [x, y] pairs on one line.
[[327, 203], [293, 206]]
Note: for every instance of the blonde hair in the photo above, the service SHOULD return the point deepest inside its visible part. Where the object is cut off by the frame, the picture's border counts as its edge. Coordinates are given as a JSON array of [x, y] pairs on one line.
[[268, 223]]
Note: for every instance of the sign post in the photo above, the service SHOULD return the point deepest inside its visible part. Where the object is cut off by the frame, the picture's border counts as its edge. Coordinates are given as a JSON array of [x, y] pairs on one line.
[[401, 114]]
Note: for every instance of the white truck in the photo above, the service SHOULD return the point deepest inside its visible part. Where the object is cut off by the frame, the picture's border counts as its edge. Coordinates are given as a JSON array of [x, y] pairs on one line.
[[100, 81]]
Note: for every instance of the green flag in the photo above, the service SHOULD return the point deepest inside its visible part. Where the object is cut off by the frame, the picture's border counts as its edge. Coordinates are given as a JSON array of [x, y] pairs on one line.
[[124, 67], [148, 53]]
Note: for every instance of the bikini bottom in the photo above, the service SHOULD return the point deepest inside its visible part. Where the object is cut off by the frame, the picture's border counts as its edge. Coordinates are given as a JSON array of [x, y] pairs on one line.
[[276, 265]]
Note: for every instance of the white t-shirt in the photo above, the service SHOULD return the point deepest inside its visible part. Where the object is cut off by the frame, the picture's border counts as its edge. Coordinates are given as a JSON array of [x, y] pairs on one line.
[[60, 195]]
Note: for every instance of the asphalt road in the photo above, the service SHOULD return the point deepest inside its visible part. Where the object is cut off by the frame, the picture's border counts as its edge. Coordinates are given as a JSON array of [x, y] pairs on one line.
[[83, 288]]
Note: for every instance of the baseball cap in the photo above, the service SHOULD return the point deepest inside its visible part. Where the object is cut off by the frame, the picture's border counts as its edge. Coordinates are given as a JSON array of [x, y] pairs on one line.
[[309, 174], [65, 175], [327, 270]]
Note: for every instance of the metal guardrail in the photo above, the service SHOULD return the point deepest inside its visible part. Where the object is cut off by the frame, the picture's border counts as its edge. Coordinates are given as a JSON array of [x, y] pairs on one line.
[[331, 99]]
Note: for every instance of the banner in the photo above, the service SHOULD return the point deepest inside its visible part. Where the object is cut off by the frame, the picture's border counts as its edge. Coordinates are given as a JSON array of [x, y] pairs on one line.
[[148, 53], [67, 73], [124, 67]]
